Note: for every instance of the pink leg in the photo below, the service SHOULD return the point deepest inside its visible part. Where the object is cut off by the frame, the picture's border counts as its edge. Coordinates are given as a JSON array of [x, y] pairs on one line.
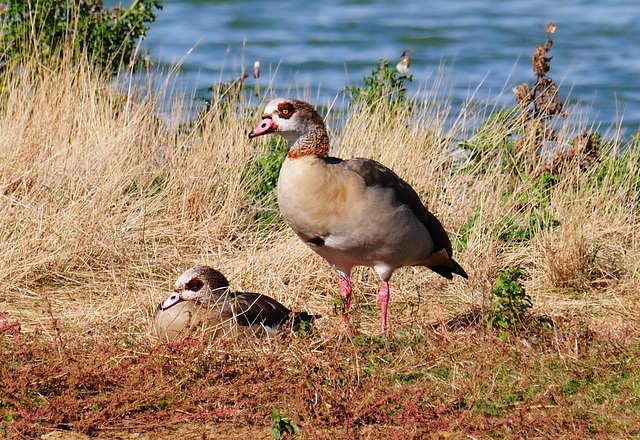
[[345, 290], [383, 296]]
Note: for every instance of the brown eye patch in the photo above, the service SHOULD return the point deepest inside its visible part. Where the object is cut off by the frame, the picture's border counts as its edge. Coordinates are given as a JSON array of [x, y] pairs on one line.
[[195, 284], [286, 110]]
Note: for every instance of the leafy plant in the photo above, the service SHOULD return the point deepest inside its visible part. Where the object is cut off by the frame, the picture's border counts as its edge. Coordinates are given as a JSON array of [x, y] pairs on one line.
[[305, 329], [260, 175], [511, 301], [533, 209], [107, 36], [282, 425], [385, 86]]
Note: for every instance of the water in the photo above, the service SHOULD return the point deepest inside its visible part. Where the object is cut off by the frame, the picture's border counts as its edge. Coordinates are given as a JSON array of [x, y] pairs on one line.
[[482, 47]]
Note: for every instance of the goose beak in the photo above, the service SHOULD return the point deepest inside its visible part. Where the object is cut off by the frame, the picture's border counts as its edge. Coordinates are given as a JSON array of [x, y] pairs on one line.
[[173, 299], [266, 126]]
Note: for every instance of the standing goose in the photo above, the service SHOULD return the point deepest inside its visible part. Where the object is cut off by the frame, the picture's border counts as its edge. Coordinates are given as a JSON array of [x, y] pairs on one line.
[[202, 302], [353, 212]]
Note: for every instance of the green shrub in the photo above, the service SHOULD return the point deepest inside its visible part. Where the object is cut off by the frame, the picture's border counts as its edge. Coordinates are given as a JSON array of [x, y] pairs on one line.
[[385, 86], [511, 301], [460, 243], [44, 28]]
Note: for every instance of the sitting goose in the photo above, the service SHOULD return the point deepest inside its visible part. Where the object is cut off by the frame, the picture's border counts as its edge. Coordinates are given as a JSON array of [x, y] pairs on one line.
[[202, 304], [351, 212]]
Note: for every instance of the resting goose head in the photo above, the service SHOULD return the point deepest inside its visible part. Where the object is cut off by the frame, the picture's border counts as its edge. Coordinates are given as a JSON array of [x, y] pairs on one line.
[[299, 123], [200, 284]]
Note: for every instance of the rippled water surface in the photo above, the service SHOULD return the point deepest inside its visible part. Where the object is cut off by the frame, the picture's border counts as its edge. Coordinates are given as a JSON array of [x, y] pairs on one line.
[[323, 46]]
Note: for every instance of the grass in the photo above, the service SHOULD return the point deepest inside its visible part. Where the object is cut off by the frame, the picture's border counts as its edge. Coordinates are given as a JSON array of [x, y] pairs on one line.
[[103, 204]]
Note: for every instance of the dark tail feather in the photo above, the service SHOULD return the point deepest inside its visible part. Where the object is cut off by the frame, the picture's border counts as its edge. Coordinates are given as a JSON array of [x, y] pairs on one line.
[[447, 271]]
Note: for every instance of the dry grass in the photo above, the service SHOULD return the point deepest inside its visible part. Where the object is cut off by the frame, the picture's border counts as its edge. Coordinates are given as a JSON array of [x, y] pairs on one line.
[[102, 205]]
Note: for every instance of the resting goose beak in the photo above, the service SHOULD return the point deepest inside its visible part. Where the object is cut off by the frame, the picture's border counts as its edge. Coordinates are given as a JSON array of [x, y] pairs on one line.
[[173, 299], [266, 126]]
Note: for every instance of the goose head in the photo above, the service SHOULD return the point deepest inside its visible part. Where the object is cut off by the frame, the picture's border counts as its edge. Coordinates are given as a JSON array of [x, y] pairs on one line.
[[200, 284], [299, 123]]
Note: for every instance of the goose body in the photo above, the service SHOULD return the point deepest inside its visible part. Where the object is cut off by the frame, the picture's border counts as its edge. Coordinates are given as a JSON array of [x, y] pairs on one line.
[[202, 304], [353, 212]]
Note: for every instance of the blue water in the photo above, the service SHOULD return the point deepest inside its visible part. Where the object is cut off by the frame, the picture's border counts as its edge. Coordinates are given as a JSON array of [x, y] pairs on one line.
[[482, 47]]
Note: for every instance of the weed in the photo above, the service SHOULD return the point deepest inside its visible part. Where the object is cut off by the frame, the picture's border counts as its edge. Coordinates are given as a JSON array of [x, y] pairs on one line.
[[305, 329], [383, 89], [511, 301], [260, 176], [282, 425], [538, 104], [226, 100], [154, 188], [509, 230], [408, 378]]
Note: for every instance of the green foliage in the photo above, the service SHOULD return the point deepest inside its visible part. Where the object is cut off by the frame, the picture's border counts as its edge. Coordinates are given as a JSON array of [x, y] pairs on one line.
[[384, 87], [460, 243], [510, 230], [493, 140], [619, 172], [514, 229], [43, 28], [260, 176], [408, 378], [282, 425], [511, 301], [305, 329], [534, 213]]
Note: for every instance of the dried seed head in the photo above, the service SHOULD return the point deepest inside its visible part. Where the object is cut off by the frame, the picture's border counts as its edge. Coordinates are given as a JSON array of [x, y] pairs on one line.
[[546, 97], [539, 61], [256, 69], [523, 95]]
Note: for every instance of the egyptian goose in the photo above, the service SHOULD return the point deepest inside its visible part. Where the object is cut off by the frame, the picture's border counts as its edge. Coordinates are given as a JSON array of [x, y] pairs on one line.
[[351, 212], [202, 302]]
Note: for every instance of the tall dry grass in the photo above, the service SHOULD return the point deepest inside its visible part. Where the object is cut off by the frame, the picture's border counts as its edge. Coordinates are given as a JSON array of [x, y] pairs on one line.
[[103, 204], [103, 201]]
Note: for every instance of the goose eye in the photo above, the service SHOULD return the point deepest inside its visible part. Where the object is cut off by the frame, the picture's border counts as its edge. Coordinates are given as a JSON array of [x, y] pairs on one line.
[[285, 111], [194, 285]]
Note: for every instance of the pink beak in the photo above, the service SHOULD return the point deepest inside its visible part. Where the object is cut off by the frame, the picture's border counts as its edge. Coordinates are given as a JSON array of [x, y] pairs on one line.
[[173, 299], [266, 126]]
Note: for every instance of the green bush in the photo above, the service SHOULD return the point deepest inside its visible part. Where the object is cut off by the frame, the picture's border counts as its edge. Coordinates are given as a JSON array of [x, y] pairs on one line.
[[44, 28], [385, 86], [511, 301]]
